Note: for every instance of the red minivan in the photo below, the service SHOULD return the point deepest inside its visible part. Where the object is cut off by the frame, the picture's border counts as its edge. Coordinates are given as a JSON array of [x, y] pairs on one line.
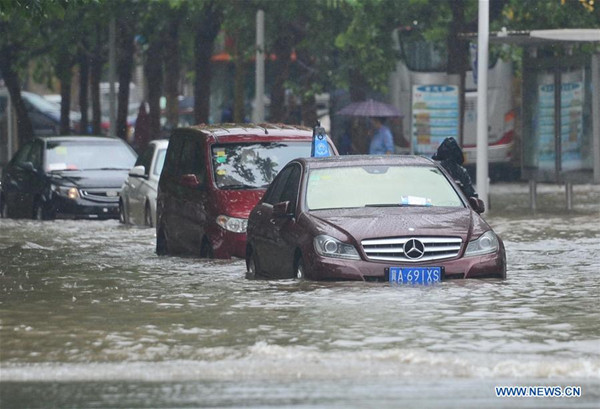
[[213, 177]]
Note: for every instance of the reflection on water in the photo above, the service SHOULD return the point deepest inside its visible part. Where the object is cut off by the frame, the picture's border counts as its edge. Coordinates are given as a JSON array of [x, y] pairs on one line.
[[90, 316]]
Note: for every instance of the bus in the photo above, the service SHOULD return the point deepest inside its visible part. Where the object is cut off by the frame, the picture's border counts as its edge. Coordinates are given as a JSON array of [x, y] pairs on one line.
[[429, 99]]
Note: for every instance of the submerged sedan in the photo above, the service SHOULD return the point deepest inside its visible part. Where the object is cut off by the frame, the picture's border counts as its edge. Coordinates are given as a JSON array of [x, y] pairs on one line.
[[66, 177], [137, 204], [374, 218]]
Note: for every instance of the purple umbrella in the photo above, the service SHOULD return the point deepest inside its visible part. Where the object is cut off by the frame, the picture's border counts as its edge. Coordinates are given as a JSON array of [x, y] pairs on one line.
[[369, 108]]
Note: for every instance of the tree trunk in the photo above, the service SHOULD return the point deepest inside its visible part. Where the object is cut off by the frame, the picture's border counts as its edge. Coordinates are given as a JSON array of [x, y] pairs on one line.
[[125, 52], [65, 75], [95, 77], [358, 86], [458, 57], [154, 77], [172, 72], [281, 67], [206, 31], [239, 89], [84, 70], [11, 80]]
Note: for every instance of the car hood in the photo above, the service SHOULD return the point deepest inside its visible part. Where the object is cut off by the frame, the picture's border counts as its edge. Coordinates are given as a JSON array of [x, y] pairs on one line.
[[238, 203], [373, 222], [90, 178]]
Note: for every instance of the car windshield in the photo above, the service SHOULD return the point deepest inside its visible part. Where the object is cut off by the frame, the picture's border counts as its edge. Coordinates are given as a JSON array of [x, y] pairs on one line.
[[253, 165], [85, 155], [379, 186], [41, 103], [160, 161]]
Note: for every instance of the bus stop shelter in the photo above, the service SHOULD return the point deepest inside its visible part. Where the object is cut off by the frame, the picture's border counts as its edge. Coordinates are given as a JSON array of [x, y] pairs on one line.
[[560, 120]]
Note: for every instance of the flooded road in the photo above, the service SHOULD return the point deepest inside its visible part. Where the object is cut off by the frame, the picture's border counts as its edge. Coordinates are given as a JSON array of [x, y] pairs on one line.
[[91, 317]]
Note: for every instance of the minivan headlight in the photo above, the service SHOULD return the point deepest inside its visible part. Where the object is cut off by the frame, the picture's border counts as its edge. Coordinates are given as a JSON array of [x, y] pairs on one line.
[[232, 224], [330, 247], [486, 243], [66, 191]]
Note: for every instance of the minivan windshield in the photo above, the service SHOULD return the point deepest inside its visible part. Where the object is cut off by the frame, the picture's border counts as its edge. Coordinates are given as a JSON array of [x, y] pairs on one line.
[[379, 186], [86, 155], [253, 165]]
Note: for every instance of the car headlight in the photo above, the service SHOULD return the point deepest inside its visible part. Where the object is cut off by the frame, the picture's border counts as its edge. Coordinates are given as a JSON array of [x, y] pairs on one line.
[[232, 224], [486, 243], [66, 191], [330, 247]]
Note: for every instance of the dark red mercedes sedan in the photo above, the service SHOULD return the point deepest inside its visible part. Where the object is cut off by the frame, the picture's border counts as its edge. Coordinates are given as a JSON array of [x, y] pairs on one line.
[[374, 218]]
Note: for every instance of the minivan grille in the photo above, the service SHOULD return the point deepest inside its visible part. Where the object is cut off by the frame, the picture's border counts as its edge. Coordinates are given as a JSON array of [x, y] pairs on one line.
[[418, 249], [101, 195]]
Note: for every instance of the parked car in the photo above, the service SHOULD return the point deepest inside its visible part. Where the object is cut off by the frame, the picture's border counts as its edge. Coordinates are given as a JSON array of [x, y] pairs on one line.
[[66, 177], [44, 114], [372, 218], [212, 178], [137, 204]]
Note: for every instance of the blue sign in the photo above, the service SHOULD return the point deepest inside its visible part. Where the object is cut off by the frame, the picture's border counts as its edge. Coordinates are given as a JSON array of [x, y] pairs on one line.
[[320, 147]]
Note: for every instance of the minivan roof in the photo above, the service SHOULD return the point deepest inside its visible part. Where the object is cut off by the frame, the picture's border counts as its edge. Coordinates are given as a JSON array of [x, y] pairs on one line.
[[227, 132]]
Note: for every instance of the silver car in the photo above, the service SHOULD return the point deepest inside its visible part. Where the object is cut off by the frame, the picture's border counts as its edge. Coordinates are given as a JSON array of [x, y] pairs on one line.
[[138, 196]]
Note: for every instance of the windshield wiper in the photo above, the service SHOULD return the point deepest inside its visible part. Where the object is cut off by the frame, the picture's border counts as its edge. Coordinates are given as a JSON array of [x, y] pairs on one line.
[[240, 187], [63, 170], [395, 205], [107, 169]]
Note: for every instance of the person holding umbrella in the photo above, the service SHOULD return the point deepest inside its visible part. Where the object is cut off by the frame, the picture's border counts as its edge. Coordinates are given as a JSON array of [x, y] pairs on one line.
[[382, 142]]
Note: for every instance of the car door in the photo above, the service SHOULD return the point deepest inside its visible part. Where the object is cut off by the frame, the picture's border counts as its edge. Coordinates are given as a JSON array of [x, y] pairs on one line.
[[169, 195], [15, 181], [263, 226], [280, 234], [193, 198], [137, 187], [34, 178]]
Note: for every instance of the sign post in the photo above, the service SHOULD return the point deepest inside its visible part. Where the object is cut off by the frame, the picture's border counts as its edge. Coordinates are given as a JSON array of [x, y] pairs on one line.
[[320, 147]]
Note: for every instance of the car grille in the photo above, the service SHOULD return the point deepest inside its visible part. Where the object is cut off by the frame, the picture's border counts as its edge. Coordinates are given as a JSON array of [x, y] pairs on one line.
[[430, 248], [101, 195]]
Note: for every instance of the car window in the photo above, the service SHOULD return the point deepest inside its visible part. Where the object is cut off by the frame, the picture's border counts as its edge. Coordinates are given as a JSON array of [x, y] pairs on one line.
[[273, 194], [35, 155], [88, 154], [145, 159], [290, 191], [253, 165], [192, 161], [3, 103], [173, 159], [160, 161], [22, 155], [359, 186]]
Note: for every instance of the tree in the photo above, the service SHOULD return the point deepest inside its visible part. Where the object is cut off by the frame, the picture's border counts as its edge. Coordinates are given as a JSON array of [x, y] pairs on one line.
[[207, 20], [21, 40]]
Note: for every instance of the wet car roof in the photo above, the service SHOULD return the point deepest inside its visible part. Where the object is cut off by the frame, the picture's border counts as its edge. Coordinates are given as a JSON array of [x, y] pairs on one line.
[[223, 132], [363, 160], [66, 138]]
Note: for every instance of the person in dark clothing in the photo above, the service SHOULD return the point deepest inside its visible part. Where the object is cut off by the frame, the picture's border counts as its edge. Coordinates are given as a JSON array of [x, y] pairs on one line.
[[451, 158]]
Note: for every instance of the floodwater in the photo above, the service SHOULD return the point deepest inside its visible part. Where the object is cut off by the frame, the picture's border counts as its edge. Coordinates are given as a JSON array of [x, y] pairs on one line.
[[91, 317]]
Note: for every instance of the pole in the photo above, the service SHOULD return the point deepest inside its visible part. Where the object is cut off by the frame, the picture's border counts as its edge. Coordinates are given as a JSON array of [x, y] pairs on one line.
[[482, 111], [112, 74], [259, 101]]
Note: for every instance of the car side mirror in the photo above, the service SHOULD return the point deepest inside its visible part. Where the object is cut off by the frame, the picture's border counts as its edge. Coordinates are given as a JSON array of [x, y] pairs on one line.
[[477, 204], [138, 171], [189, 180], [27, 166], [282, 209]]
